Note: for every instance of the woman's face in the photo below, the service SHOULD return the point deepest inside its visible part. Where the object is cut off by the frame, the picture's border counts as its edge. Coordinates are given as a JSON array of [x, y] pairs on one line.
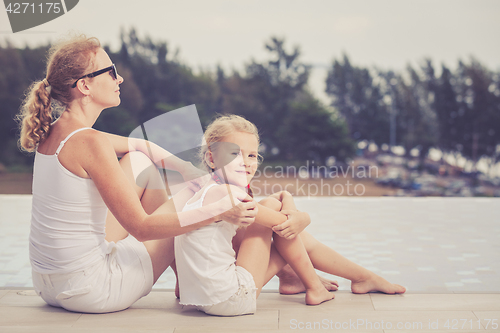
[[238, 158], [104, 88]]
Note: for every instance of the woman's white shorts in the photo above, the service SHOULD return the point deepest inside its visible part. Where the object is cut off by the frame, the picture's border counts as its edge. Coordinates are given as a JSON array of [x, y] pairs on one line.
[[244, 301], [114, 283]]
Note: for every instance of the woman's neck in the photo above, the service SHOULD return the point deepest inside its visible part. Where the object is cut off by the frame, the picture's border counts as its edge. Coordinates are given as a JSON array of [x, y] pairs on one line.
[[84, 114]]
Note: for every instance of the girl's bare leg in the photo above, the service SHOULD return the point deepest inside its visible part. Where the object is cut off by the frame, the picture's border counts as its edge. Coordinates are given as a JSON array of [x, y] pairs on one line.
[[151, 191], [294, 252], [327, 260], [289, 281], [254, 253], [276, 261]]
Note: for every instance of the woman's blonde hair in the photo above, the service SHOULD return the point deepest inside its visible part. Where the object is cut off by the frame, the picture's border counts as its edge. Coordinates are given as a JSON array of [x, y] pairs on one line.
[[67, 61]]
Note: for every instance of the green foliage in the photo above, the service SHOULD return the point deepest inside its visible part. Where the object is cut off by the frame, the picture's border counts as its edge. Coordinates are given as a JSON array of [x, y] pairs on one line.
[[457, 112], [19, 67], [273, 95], [359, 100], [311, 132]]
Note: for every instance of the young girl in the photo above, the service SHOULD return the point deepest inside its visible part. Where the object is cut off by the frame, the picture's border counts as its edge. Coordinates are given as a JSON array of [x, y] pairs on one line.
[[202, 286], [211, 276]]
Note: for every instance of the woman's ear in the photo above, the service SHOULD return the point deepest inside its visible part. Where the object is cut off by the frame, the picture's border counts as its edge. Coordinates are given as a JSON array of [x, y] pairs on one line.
[[82, 86]]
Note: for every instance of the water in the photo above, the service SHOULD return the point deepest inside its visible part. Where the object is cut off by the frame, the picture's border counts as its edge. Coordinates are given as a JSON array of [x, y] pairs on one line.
[[426, 244]]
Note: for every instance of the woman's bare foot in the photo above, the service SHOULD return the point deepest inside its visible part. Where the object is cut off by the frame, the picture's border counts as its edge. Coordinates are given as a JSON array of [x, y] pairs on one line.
[[318, 296], [373, 282], [289, 282]]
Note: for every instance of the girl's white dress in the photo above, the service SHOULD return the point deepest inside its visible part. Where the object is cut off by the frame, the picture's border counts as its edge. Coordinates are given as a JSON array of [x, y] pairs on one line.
[[208, 276]]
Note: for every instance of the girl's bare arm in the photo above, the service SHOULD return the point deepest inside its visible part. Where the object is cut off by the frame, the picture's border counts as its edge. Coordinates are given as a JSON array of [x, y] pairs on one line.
[[266, 216], [296, 222]]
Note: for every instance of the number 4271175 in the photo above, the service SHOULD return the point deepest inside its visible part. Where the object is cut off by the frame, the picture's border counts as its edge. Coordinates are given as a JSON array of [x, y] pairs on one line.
[[454, 324], [29, 7]]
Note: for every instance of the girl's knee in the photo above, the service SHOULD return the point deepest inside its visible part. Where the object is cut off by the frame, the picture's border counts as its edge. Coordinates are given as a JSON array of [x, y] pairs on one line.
[[271, 203], [257, 230]]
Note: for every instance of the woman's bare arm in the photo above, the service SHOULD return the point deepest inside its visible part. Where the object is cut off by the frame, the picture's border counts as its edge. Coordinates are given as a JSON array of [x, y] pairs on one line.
[[99, 160], [265, 216], [160, 157]]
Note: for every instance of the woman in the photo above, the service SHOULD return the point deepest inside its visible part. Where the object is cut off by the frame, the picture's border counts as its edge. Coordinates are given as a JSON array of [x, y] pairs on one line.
[[86, 203]]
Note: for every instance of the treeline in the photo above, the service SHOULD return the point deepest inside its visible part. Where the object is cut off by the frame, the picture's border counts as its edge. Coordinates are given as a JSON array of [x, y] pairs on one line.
[[294, 125], [457, 111]]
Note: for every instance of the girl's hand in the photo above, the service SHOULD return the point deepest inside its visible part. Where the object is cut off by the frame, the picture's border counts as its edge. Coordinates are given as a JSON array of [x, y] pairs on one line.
[[243, 212], [294, 225]]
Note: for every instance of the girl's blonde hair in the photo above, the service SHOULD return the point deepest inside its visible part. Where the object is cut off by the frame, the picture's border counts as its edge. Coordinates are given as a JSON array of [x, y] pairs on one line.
[[221, 127], [67, 61]]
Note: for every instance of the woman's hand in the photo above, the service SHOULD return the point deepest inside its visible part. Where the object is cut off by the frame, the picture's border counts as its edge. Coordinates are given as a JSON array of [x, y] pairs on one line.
[[294, 225], [243, 208]]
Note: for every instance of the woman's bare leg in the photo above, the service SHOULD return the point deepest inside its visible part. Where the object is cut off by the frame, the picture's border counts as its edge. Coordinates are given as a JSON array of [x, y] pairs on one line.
[[150, 189], [329, 261]]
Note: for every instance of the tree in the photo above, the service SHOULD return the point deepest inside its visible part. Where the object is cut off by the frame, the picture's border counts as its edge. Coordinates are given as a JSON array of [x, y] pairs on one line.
[[355, 95], [19, 68], [479, 110], [418, 121], [273, 95], [162, 79], [311, 132]]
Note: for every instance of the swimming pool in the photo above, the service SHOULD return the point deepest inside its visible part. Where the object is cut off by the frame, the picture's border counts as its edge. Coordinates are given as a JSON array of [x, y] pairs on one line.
[[432, 245]]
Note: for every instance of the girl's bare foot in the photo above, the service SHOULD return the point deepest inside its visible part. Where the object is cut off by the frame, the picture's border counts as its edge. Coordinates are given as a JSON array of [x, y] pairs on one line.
[[373, 282], [318, 296], [289, 282]]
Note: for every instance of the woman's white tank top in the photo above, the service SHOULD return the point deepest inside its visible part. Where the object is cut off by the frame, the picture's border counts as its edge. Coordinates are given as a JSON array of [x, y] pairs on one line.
[[67, 220]]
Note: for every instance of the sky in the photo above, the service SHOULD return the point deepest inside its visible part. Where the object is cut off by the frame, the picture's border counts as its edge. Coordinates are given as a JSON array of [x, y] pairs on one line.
[[389, 34]]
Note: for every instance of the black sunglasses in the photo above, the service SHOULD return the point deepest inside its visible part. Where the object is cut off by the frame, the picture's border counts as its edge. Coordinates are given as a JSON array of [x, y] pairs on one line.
[[111, 68]]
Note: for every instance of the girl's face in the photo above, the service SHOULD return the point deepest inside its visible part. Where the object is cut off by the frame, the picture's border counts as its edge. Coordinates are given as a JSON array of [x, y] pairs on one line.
[[104, 88], [238, 158]]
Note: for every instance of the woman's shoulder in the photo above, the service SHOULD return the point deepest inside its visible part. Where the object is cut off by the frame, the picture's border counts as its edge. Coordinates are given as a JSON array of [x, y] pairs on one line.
[[77, 138], [92, 135], [91, 140], [88, 149]]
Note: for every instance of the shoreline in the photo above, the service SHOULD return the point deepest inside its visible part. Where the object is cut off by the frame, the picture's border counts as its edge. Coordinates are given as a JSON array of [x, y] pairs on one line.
[[20, 183]]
